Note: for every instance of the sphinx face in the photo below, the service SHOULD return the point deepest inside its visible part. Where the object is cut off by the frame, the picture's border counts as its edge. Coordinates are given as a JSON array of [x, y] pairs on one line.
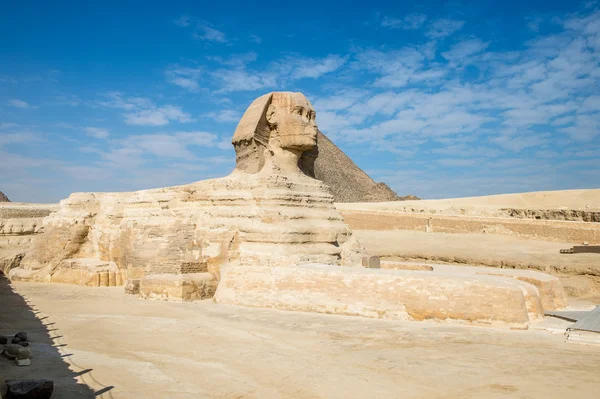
[[296, 126]]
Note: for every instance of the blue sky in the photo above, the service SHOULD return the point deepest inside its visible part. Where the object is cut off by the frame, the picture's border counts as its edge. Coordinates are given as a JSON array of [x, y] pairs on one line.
[[437, 99]]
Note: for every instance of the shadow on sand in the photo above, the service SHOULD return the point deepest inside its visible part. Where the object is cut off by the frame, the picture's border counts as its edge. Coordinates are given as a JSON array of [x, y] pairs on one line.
[[49, 359]]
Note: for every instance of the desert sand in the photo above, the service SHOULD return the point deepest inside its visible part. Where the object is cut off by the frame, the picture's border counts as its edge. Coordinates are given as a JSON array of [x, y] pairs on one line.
[[490, 205], [125, 347]]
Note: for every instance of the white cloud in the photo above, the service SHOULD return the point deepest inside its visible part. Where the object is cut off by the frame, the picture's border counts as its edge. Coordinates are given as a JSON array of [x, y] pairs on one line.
[[97, 132], [207, 33], [340, 101], [236, 60], [19, 137], [278, 73], [183, 21], [158, 116], [184, 77], [7, 79], [19, 104], [443, 27], [409, 22], [314, 68], [136, 150], [230, 80], [226, 115], [143, 111], [585, 128], [201, 30], [520, 142], [462, 51]]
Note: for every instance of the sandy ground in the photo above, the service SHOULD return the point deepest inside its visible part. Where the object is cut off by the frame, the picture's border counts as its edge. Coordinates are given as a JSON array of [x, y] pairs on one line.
[[564, 199], [124, 347]]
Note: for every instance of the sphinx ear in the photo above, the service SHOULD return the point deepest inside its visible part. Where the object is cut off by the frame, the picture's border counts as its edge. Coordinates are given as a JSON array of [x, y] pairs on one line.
[[272, 115]]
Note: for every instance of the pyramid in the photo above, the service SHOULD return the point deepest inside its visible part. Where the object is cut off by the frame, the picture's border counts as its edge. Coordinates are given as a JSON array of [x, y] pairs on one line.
[[3, 198], [346, 181]]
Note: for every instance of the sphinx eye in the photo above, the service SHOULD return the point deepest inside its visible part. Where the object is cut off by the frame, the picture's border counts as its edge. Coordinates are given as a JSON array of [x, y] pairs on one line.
[[300, 111]]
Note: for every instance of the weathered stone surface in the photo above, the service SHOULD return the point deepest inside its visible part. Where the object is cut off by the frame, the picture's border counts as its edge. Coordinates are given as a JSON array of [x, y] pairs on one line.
[[29, 389], [385, 294], [551, 292], [90, 272], [19, 223], [372, 262], [184, 287]]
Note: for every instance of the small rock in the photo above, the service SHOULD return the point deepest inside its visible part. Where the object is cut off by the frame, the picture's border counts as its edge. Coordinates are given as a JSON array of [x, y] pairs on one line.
[[23, 363], [11, 350], [23, 353], [21, 335], [39, 389], [3, 340], [132, 286], [16, 340]]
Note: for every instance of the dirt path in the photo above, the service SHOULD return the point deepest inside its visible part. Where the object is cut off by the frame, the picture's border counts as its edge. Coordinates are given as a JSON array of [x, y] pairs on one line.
[[133, 348]]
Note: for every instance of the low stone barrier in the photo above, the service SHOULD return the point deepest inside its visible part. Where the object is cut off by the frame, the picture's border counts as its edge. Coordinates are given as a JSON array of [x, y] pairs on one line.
[[383, 294]]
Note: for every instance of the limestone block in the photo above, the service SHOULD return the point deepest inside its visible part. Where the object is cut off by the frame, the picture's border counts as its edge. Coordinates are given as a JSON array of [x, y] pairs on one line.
[[552, 293], [178, 287], [19, 274], [88, 272], [385, 294], [371, 262], [23, 362], [20, 226]]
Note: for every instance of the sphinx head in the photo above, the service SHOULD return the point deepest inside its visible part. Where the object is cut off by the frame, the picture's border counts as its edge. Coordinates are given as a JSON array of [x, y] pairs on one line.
[[291, 119], [276, 121]]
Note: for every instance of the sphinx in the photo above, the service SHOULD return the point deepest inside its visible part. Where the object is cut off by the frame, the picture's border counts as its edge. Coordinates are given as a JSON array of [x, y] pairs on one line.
[[267, 212], [267, 235]]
